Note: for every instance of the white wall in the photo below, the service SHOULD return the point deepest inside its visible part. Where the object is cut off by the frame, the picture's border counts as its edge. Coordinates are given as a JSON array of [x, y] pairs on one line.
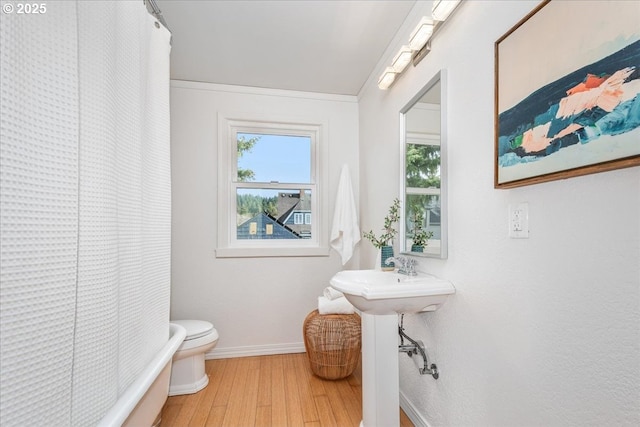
[[543, 331], [256, 304]]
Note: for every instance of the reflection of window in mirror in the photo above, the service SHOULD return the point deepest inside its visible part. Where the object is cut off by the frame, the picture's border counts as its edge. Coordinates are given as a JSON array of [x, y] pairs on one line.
[[424, 216]]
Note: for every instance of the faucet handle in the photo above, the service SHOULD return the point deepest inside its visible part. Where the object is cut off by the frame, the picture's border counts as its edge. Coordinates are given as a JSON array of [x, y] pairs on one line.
[[411, 267], [400, 260]]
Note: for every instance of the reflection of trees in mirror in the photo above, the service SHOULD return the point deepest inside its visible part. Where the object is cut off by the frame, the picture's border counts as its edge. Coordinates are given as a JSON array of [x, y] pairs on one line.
[[417, 205], [245, 145], [423, 166]]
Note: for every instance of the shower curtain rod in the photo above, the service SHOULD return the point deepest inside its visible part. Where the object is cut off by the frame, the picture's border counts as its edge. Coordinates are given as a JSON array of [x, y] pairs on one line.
[[155, 10]]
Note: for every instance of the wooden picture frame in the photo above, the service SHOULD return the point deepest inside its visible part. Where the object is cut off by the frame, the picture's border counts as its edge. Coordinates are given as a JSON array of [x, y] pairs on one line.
[[567, 92]]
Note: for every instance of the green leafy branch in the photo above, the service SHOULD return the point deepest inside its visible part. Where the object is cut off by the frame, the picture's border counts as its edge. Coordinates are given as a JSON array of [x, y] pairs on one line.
[[388, 230], [420, 235], [245, 146]]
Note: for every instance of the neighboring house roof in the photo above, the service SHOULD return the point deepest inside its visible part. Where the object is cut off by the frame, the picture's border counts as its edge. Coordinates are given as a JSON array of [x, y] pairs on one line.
[[287, 202], [262, 220], [290, 204]]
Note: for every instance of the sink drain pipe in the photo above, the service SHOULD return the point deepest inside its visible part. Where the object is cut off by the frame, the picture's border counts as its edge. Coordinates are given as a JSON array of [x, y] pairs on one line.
[[413, 349]]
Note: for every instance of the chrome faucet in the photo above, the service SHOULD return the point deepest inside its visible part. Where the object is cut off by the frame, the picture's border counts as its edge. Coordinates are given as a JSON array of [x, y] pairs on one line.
[[410, 267], [400, 261], [405, 265]]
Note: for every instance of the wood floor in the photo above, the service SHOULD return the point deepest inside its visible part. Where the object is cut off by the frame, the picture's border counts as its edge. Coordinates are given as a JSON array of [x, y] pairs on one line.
[[270, 391]]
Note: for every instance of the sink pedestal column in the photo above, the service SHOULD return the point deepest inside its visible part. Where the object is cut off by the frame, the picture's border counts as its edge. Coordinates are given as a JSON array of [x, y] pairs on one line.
[[380, 373]]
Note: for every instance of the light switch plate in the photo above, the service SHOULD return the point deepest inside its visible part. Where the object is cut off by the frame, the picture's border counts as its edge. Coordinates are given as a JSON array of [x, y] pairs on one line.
[[519, 221]]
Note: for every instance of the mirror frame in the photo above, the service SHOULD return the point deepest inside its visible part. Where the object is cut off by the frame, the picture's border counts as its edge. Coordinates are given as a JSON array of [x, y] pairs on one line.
[[441, 77]]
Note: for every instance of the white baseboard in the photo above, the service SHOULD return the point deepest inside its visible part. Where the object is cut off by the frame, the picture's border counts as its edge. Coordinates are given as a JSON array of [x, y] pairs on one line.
[[254, 350], [412, 412]]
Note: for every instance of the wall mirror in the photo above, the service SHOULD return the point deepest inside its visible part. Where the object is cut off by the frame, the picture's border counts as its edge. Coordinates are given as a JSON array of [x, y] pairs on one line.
[[423, 228]]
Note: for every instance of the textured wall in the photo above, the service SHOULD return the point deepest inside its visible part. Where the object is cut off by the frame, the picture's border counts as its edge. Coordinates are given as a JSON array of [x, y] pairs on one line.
[[543, 331]]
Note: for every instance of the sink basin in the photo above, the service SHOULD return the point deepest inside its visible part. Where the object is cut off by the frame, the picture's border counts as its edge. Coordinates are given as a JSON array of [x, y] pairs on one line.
[[381, 292]]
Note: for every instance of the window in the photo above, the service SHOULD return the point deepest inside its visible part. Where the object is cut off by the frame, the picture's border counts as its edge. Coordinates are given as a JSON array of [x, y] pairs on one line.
[[269, 188]]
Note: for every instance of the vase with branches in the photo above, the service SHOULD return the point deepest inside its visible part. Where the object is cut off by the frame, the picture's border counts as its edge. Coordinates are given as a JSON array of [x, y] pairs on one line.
[[420, 237], [389, 231]]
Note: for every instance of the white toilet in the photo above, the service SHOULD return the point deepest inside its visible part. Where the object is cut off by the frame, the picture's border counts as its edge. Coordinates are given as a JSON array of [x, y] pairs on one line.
[[187, 370]]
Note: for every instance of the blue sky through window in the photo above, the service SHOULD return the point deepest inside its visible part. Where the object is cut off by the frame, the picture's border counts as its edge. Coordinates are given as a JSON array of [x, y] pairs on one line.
[[279, 158]]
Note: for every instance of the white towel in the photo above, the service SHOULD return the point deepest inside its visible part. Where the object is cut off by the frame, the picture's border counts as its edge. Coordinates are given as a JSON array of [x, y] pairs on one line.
[[331, 294], [336, 306], [345, 233]]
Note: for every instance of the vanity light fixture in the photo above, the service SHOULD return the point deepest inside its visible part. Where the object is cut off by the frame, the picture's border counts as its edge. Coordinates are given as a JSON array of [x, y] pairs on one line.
[[399, 63], [402, 59], [442, 9], [419, 41], [421, 34], [387, 78]]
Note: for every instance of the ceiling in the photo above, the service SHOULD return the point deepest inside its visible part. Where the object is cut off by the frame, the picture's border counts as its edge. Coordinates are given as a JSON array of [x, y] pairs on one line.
[[304, 45]]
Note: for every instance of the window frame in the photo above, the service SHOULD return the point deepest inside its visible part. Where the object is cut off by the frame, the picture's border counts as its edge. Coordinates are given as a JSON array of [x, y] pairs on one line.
[[228, 245]]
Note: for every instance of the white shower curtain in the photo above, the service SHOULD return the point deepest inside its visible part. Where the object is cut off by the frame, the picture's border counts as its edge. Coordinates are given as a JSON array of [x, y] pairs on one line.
[[84, 208]]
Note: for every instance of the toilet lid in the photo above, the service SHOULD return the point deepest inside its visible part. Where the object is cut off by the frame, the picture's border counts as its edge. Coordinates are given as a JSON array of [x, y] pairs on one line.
[[195, 328]]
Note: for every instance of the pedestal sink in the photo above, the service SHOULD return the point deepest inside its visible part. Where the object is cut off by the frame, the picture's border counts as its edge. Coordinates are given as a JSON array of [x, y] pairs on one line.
[[381, 296]]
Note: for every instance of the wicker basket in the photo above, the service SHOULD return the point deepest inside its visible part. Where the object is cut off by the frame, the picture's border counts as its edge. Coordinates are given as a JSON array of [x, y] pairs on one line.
[[333, 343]]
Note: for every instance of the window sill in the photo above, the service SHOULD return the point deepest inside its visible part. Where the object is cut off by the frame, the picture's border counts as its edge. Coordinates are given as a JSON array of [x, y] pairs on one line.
[[271, 252]]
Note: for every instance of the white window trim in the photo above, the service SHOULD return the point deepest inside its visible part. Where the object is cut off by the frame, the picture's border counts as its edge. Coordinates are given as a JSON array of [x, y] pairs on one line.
[[228, 246]]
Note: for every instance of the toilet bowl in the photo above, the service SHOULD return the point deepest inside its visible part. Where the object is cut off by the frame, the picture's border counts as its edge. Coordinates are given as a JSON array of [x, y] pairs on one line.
[[187, 370]]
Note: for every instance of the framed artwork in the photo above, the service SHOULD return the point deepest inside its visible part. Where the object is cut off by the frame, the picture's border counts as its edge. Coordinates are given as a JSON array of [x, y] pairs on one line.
[[567, 92]]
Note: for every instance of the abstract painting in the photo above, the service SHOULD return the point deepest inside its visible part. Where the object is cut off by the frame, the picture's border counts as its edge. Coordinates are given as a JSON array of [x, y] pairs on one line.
[[567, 99]]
